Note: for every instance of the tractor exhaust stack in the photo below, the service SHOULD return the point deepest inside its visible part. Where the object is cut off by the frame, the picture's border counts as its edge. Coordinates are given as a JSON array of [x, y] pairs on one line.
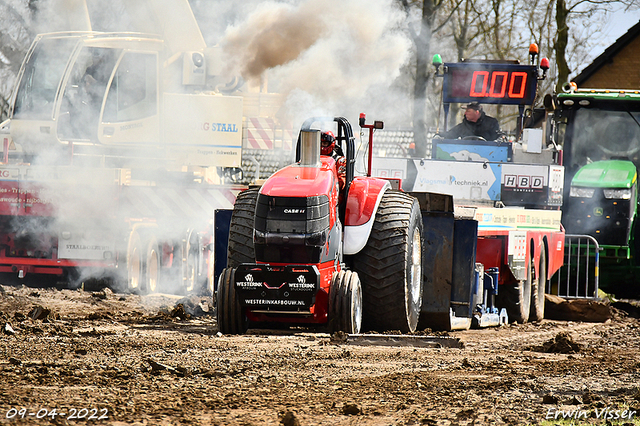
[[310, 148]]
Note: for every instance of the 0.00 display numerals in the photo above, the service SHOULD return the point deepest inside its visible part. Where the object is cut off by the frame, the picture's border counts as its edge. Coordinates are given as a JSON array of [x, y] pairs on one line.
[[494, 84]]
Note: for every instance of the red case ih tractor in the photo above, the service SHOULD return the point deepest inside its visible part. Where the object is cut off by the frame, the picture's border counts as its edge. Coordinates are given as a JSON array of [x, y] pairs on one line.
[[302, 250]]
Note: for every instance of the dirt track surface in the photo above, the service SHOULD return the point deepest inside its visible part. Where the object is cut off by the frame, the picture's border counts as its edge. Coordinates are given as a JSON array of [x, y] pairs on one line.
[[138, 360]]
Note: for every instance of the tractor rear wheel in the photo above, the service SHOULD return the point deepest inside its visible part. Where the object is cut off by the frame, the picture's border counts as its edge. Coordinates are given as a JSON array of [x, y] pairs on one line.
[[538, 288], [241, 249], [230, 315], [345, 308], [390, 265]]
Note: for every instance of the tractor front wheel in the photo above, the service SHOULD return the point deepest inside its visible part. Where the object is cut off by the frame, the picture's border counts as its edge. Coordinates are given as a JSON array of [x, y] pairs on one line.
[[230, 315], [345, 309]]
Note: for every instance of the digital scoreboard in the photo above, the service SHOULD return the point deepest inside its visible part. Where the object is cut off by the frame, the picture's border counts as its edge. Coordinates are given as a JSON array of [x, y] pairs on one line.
[[489, 83]]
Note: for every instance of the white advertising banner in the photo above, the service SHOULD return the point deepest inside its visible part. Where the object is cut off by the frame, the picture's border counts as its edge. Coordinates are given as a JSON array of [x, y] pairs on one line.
[[465, 181], [203, 130]]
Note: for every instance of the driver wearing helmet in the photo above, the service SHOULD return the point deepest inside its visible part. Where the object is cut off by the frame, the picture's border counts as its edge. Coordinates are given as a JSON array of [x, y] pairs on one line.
[[328, 147]]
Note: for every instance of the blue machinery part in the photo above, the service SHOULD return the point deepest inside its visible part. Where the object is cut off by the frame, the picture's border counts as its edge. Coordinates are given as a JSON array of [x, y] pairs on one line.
[[486, 313]]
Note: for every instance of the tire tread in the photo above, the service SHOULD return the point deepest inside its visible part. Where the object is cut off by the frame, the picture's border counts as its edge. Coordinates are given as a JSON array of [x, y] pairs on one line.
[[382, 263]]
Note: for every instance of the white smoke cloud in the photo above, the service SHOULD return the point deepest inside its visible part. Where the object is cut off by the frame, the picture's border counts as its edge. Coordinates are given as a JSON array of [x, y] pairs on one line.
[[324, 55], [330, 58]]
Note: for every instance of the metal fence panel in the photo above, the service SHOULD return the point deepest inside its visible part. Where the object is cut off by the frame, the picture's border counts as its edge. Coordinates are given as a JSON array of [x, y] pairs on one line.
[[579, 276]]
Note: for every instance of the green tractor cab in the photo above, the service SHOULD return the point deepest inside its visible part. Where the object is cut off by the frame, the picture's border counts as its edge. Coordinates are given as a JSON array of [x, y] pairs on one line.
[[603, 202]]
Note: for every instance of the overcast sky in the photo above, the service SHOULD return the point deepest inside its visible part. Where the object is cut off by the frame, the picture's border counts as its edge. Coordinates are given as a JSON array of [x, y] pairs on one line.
[[619, 23]]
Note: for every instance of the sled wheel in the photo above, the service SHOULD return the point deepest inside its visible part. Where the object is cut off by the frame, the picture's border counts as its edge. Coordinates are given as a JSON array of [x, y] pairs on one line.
[[345, 309], [538, 288], [152, 267], [516, 297], [390, 265], [241, 249], [230, 315], [135, 264]]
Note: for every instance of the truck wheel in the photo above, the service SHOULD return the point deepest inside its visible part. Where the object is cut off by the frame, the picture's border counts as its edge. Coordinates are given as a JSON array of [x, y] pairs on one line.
[[230, 315], [538, 288], [516, 297], [345, 306], [390, 265], [152, 267], [135, 264], [241, 249], [191, 263]]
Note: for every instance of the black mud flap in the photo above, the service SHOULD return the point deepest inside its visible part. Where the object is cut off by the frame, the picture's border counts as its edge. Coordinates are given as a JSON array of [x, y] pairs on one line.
[[291, 288], [222, 221], [449, 292]]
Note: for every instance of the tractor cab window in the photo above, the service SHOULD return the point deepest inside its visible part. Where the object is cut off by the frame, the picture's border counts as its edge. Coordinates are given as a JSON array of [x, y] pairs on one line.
[[43, 72], [133, 94], [602, 135], [85, 91]]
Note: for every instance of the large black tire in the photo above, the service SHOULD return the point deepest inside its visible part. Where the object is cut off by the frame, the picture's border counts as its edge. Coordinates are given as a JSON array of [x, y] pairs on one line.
[[345, 306], [241, 249], [516, 298], [230, 315], [538, 288], [390, 265]]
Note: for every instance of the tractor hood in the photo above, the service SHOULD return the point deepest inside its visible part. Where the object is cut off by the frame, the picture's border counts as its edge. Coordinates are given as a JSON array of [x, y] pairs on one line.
[[302, 181], [606, 174]]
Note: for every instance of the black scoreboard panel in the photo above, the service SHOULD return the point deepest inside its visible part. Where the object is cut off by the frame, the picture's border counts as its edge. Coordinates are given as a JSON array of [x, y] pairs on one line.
[[490, 83]]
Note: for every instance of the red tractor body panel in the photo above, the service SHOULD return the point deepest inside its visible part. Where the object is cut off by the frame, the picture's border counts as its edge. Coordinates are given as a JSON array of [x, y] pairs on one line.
[[302, 181], [364, 196]]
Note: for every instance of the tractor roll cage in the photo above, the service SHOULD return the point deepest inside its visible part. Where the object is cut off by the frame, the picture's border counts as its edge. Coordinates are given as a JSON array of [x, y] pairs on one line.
[[344, 138]]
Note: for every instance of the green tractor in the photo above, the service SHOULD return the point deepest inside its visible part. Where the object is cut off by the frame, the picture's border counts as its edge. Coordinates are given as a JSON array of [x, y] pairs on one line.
[[599, 133]]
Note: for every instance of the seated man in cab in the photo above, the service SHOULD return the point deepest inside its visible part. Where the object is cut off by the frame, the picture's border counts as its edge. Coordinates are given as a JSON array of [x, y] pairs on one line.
[[475, 124]]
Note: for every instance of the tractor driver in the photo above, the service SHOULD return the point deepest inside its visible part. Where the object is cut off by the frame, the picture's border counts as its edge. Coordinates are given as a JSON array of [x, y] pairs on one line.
[[475, 124], [330, 148]]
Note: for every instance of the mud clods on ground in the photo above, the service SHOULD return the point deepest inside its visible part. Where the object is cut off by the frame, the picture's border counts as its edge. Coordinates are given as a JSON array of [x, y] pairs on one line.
[[562, 343], [160, 360]]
